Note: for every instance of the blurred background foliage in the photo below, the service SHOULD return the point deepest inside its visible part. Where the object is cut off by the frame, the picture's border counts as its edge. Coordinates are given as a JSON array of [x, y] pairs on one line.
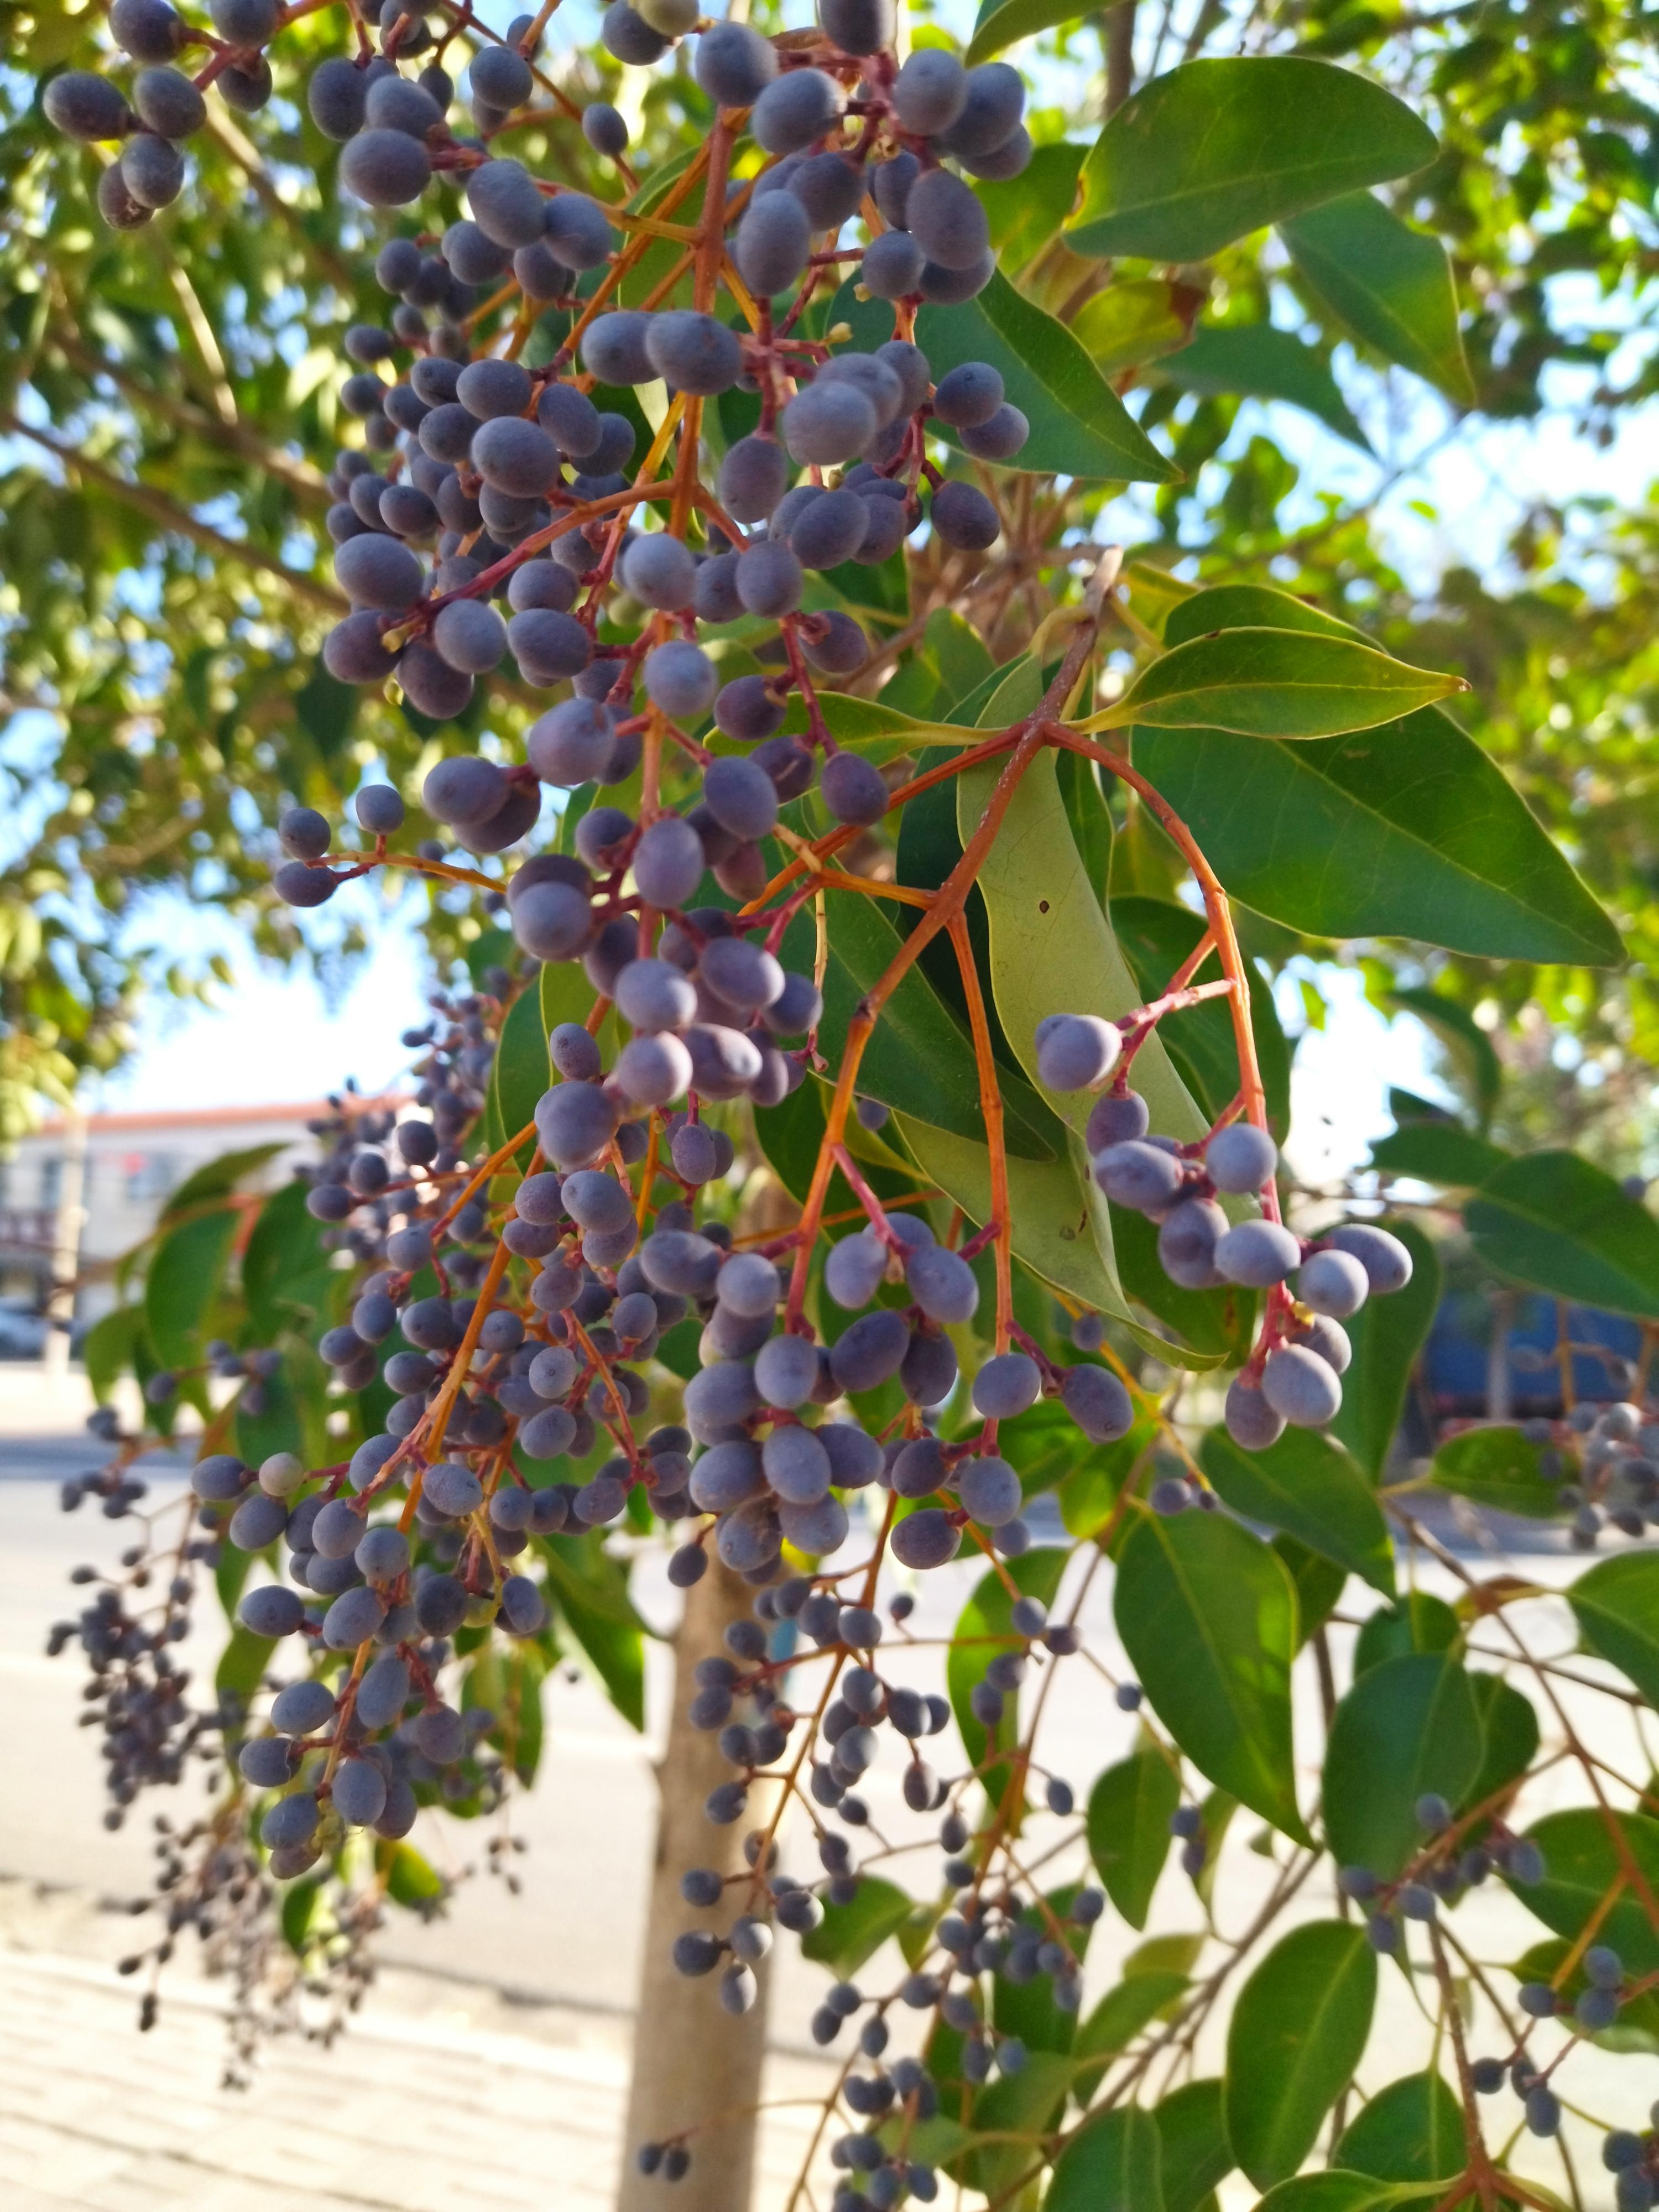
[[167, 407]]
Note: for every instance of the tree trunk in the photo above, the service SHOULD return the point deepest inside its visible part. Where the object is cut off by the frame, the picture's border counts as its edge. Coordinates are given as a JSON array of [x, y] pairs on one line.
[[1120, 55], [694, 2062]]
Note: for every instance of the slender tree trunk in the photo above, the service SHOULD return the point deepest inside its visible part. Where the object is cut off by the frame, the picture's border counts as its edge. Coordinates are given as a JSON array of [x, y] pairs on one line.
[[66, 1244], [693, 2062], [1120, 54]]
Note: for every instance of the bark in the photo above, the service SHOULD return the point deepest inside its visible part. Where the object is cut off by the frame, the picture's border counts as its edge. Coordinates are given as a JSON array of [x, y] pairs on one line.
[[1120, 54], [695, 2066]]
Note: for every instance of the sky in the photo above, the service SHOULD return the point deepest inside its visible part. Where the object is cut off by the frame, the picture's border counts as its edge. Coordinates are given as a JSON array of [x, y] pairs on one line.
[[276, 1038]]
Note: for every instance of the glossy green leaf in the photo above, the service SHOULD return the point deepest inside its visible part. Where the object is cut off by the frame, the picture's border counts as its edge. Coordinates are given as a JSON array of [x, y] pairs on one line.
[[1412, 2130], [1308, 1485], [1120, 2015], [1207, 1615], [1290, 684], [1112, 2165], [184, 1275], [1390, 284], [1156, 936], [1409, 830], [983, 1628], [1420, 1622], [1582, 1863], [1553, 1221], [1079, 426], [285, 1272], [1214, 149], [849, 1933], [1616, 1605], [1497, 1467], [1295, 2038], [1406, 1728], [1387, 1335], [1192, 2131], [296, 1912], [1129, 1812], [1249, 607], [1443, 1152], [1259, 360]]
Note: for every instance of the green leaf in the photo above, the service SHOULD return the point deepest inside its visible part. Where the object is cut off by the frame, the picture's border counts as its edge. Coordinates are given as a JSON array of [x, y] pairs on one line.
[[1388, 1335], [1551, 1220], [1052, 951], [1192, 2130], [183, 1277], [1406, 1727], [1207, 1615], [1220, 1322], [1157, 936], [1002, 23], [1308, 1485], [1025, 211], [1130, 1807], [1509, 1730], [1616, 1606], [1261, 362], [983, 1628], [1289, 684], [1111, 2165], [1420, 1622], [1390, 284], [216, 1179], [1027, 2009], [1024, 2104], [242, 1664], [1334, 2191], [1413, 2130], [518, 1075], [1582, 1863], [1079, 426], [286, 1273], [919, 1060], [1252, 606], [298, 1907], [106, 1348], [1294, 2039], [1136, 2001], [847, 1935], [1405, 831], [409, 1881], [1318, 1583], [591, 1587], [1135, 320], [1443, 1152], [1497, 1467], [1215, 150]]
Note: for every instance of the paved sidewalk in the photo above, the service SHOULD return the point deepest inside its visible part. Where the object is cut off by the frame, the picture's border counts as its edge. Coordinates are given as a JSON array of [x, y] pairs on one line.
[[439, 2093]]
